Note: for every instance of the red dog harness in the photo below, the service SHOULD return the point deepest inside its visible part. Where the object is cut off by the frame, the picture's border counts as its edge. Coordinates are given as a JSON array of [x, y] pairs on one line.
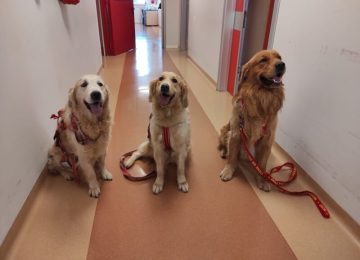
[[267, 176], [70, 158], [165, 136]]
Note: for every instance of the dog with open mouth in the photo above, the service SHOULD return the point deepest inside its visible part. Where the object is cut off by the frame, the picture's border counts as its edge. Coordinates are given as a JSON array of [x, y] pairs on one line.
[[255, 109], [169, 129], [82, 134]]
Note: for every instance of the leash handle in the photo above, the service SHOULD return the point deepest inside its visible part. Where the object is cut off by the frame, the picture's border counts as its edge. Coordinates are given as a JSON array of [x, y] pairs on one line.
[[279, 184], [127, 173]]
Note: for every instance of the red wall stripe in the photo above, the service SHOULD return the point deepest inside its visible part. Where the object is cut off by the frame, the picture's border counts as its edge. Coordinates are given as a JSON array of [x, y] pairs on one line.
[[268, 24], [233, 60], [235, 45], [239, 5]]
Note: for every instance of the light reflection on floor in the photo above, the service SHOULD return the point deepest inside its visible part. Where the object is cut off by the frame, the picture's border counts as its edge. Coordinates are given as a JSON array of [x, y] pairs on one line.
[[147, 39]]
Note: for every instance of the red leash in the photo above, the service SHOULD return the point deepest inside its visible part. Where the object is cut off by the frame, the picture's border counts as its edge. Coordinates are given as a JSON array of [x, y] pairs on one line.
[[144, 175], [127, 174], [279, 184]]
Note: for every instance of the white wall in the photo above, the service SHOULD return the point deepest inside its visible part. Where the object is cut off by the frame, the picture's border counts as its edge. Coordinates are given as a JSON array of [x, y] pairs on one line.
[[205, 24], [172, 25], [320, 121], [138, 13], [44, 48]]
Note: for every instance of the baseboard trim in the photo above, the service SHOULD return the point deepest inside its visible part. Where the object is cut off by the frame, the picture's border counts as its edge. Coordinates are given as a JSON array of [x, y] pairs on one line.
[[101, 66], [20, 218], [202, 70], [336, 211]]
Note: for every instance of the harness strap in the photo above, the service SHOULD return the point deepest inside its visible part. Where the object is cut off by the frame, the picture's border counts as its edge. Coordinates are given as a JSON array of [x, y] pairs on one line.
[[69, 158], [279, 184], [165, 135], [166, 138]]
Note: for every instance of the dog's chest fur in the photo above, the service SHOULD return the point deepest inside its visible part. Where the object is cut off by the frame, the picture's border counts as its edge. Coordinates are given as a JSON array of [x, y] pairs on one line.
[[179, 132], [257, 111], [99, 132]]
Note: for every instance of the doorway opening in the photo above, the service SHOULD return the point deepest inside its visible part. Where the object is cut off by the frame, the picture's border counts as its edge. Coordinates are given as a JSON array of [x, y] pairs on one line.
[[121, 22], [248, 27]]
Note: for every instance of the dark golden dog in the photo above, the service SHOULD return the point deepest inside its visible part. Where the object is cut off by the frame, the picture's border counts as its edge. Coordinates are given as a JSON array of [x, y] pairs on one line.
[[255, 107]]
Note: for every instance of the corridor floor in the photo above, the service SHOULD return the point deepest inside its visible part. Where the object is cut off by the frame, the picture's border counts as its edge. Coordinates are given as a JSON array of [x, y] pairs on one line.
[[211, 221], [215, 220]]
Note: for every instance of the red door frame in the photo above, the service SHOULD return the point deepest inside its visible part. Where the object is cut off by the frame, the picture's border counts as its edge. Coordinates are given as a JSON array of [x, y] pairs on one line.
[[234, 54], [268, 24], [118, 26], [236, 51]]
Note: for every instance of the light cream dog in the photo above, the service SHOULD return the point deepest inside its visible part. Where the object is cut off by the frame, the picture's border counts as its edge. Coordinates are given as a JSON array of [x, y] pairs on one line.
[[83, 134], [168, 95]]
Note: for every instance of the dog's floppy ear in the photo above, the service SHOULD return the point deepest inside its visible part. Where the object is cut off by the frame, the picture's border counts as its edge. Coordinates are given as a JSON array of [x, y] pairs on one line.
[[244, 72], [184, 93], [107, 90], [152, 89], [72, 97]]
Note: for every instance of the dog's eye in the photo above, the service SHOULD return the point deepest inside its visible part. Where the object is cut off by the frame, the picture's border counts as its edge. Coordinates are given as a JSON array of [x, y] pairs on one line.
[[264, 60], [100, 84], [174, 80], [84, 84], [161, 78]]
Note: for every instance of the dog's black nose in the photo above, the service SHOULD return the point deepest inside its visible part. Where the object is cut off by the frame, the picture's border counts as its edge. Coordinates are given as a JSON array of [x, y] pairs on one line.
[[95, 96], [164, 88], [280, 67]]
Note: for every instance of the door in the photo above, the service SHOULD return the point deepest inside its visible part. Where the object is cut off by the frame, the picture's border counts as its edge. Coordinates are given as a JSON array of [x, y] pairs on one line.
[[118, 26], [232, 40], [237, 45], [242, 25], [184, 21]]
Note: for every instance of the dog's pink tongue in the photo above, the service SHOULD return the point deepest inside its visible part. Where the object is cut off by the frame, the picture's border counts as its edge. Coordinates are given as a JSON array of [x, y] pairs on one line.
[[96, 109], [164, 100], [277, 79]]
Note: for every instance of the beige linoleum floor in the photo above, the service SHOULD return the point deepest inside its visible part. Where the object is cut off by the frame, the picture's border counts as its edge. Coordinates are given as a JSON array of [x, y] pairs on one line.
[[308, 234], [54, 228]]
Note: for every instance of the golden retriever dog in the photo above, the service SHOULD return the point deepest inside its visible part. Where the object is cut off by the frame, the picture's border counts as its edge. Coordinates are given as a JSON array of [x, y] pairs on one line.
[[255, 108], [83, 134], [169, 129]]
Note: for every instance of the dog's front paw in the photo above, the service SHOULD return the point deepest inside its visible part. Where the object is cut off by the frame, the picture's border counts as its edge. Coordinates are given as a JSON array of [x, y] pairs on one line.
[[106, 175], [183, 186], [262, 184], [227, 173], [129, 162], [158, 186], [69, 177], [94, 192]]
